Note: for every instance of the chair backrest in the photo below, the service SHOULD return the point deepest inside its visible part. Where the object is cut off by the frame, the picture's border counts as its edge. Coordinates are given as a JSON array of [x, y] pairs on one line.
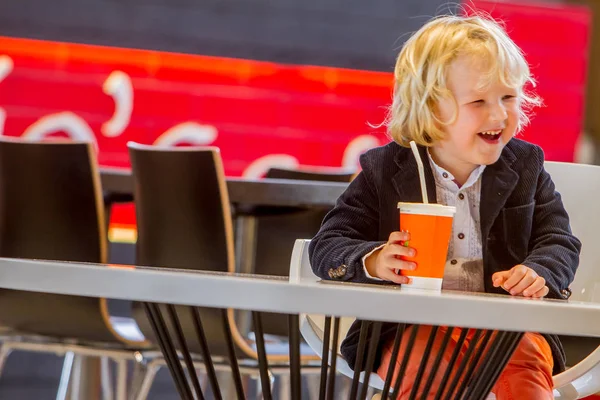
[[51, 208], [183, 221], [50, 202], [579, 187], [300, 269], [301, 272], [182, 208]]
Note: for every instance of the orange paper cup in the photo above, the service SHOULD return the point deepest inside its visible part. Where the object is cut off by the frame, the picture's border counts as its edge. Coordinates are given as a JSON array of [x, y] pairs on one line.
[[430, 227]]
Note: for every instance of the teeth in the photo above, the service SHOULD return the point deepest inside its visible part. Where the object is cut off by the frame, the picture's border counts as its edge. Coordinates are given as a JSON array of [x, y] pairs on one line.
[[491, 133]]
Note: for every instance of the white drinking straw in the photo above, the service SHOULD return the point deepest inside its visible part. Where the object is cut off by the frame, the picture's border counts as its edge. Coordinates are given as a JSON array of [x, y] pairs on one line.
[[413, 146]]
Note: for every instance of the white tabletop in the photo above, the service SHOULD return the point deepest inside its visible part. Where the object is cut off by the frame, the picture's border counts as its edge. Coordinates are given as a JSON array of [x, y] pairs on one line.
[[276, 294]]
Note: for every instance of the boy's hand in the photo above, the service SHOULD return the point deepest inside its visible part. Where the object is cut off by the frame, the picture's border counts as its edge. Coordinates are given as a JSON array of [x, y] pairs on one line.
[[521, 281], [384, 262]]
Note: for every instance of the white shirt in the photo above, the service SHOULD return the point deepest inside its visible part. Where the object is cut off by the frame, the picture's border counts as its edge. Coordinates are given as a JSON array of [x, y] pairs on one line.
[[464, 263]]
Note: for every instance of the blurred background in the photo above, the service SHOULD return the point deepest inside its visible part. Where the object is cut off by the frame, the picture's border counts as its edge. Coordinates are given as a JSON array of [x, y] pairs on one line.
[[284, 83]]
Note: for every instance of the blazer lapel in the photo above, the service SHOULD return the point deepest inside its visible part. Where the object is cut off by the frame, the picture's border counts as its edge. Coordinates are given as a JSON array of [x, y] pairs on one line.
[[499, 181], [406, 180]]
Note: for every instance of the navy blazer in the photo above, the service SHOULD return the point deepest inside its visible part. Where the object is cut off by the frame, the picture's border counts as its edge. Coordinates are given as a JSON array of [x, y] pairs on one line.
[[523, 221]]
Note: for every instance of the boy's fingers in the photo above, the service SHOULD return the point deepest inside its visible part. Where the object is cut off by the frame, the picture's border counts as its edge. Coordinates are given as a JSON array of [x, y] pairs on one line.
[[516, 274], [535, 287], [398, 236], [528, 279], [396, 263], [401, 250], [390, 275], [499, 277], [541, 293]]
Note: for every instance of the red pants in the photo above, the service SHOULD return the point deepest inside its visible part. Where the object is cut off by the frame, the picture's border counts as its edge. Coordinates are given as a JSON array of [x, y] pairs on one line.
[[528, 374]]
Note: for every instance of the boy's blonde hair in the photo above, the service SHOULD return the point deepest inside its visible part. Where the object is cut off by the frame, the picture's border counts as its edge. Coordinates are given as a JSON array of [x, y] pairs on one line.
[[420, 73]]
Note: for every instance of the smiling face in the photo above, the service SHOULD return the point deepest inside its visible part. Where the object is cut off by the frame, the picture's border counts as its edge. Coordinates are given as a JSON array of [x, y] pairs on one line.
[[478, 120], [463, 89]]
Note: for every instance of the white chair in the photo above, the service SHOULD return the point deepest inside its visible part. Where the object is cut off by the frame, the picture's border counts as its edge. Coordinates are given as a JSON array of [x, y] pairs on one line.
[[579, 186], [312, 325]]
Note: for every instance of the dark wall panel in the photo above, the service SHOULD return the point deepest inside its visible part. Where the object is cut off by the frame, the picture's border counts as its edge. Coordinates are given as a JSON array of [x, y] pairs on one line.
[[364, 34]]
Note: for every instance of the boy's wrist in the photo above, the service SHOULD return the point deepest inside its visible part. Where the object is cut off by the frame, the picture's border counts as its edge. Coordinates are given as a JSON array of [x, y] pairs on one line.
[[370, 263]]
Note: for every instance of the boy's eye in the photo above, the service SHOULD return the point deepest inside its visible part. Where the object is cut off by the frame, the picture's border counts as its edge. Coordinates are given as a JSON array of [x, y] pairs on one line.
[[508, 97], [477, 102]]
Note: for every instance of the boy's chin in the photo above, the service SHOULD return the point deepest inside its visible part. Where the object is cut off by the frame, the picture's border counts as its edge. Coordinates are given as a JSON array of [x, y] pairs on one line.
[[491, 162], [489, 159]]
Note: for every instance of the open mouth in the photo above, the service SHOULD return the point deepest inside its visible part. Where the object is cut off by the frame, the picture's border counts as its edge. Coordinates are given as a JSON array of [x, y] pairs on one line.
[[491, 136]]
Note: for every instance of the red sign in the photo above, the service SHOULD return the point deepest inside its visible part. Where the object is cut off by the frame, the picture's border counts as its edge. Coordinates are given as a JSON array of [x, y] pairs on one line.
[[258, 113]]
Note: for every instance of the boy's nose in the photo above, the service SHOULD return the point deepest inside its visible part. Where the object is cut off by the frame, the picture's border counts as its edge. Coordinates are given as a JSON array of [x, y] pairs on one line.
[[498, 112]]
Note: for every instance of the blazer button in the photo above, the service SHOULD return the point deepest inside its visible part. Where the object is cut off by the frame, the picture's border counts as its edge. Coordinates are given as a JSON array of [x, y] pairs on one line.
[[566, 293], [336, 273]]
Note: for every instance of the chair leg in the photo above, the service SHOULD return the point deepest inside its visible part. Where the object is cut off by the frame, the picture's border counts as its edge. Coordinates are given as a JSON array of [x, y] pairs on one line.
[[312, 385], [284, 387], [146, 383], [227, 384], [140, 369], [75, 380], [106, 379], [65, 376], [245, 243], [344, 387], [259, 388], [203, 379], [121, 380], [247, 382], [4, 353], [271, 381], [86, 382], [370, 392]]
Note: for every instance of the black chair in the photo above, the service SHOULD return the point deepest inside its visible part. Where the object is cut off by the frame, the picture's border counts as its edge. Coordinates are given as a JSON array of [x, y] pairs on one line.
[[184, 221], [273, 230], [277, 229], [51, 208], [181, 207]]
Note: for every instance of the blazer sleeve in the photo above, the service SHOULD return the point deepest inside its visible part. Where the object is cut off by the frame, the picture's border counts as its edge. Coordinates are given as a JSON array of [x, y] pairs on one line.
[[348, 232], [553, 249]]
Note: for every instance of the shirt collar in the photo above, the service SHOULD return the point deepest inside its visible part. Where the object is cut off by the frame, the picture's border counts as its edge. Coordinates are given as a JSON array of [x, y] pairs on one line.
[[446, 179]]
